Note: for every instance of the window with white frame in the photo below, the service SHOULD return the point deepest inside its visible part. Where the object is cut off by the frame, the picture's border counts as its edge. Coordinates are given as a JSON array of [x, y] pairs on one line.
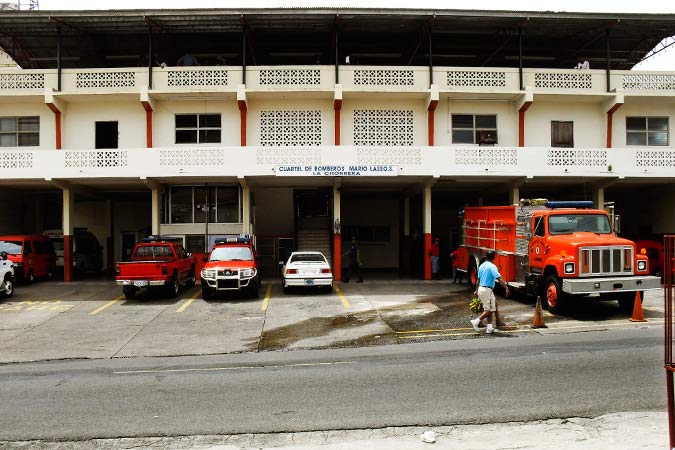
[[474, 129], [20, 131], [648, 131], [191, 204], [198, 128]]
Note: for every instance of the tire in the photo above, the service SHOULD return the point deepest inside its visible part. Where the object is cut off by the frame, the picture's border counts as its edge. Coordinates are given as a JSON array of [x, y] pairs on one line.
[[172, 288], [30, 279], [553, 297], [207, 293], [254, 291], [627, 301], [472, 273], [129, 292], [9, 287], [192, 279]]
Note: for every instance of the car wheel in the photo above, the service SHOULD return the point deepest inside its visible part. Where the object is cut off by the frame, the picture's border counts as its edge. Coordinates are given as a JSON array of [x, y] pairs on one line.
[[172, 288], [553, 296], [255, 291], [192, 279], [129, 292], [9, 287], [207, 293], [627, 301]]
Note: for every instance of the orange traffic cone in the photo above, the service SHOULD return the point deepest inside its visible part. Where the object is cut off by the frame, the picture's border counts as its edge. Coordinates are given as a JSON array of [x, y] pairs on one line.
[[538, 321], [638, 315]]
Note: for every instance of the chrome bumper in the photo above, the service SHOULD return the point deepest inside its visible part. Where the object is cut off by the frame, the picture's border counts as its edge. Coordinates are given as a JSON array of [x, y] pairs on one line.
[[229, 282], [141, 283], [610, 284]]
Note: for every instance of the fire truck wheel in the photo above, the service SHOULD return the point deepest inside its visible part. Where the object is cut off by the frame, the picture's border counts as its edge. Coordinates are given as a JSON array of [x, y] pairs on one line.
[[129, 292], [627, 301], [207, 293], [553, 295], [473, 273]]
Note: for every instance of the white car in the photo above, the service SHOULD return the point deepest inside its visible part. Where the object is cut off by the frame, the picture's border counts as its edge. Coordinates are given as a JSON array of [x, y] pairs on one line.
[[6, 276], [306, 269]]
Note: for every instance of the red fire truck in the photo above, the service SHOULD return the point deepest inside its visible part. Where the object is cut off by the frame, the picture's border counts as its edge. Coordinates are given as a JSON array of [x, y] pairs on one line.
[[556, 250]]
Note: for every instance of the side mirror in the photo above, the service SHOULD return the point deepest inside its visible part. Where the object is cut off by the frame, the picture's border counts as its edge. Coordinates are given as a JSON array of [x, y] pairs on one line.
[[188, 254], [617, 224], [205, 258], [3, 256]]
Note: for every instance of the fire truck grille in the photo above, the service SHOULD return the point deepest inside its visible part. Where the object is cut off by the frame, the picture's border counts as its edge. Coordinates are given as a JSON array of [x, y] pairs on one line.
[[614, 260]]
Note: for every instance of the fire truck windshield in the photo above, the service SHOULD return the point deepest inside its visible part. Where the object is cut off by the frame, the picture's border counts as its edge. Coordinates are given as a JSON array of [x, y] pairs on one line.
[[578, 223]]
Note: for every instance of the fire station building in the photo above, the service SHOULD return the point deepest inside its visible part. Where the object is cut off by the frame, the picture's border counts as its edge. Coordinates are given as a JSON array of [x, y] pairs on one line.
[[309, 127]]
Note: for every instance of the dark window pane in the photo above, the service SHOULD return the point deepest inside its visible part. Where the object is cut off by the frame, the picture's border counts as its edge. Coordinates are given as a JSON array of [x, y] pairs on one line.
[[658, 138], [200, 204], [462, 121], [186, 121], [636, 123], [462, 136], [658, 124], [209, 136], [29, 124], [195, 243], [228, 204], [181, 205], [209, 121], [29, 139], [186, 136], [634, 138], [486, 121], [486, 137], [212, 204], [562, 134]]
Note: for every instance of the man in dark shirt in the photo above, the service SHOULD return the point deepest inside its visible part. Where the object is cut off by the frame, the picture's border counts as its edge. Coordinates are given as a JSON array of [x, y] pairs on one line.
[[354, 263]]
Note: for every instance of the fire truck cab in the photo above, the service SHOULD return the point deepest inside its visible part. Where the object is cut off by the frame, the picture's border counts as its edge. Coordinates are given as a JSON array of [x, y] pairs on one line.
[[556, 250]]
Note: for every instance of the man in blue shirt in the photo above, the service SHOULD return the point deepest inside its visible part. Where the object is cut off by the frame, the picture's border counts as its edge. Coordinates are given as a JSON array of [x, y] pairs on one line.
[[488, 274]]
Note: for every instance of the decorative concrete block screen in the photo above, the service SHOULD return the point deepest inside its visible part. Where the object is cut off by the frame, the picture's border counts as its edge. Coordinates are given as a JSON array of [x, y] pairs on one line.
[[288, 156], [383, 77], [93, 159], [206, 157], [16, 160], [560, 157], [189, 78], [105, 79], [655, 158], [290, 77], [22, 81], [290, 128], [383, 127], [556, 80], [486, 157], [465, 78], [390, 156], [645, 82]]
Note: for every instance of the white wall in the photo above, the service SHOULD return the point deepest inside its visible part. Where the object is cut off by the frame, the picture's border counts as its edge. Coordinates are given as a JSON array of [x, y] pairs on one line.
[[47, 120], [350, 104], [589, 123], [507, 119], [291, 103], [164, 122], [641, 108], [79, 129]]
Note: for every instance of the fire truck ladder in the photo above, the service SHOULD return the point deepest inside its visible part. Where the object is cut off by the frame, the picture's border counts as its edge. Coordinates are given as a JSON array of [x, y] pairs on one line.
[[489, 235]]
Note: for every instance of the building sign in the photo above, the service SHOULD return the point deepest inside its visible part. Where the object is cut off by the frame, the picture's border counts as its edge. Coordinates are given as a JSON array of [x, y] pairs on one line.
[[337, 171]]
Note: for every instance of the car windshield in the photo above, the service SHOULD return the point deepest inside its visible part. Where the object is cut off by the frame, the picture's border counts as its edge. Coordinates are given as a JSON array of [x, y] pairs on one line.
[[308, 257], [576, 223], [153, 252], [231, 254], [11, 247]]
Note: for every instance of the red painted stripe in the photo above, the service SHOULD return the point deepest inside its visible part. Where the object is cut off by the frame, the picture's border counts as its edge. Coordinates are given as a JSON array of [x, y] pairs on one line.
[[337, 257], [521, 123], [242, 131], [430, 126], [427, 257], [148, 128], [610, 118], [57, 121]]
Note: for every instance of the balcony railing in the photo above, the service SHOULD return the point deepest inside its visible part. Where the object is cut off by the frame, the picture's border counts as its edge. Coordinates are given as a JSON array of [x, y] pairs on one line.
[[322, 78], [455, 161]]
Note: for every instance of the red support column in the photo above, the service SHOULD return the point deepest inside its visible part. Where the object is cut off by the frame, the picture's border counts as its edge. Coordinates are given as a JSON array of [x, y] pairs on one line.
[[67, 258], [337, 107], [430, 121], [242, 117], [427, 257], [148, 124], [57, 123], [337, 257], [521, 123], [610, 115]]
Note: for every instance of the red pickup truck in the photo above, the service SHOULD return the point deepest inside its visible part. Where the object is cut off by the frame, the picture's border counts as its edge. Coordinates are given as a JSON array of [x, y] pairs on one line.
[[156, 262]]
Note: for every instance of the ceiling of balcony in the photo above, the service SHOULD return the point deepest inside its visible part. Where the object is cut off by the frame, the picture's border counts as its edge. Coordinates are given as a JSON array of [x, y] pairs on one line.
[[308, 36]]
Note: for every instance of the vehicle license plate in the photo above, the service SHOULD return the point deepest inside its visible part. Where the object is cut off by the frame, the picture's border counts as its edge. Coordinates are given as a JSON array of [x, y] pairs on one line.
[[140, 283], [309, 282]]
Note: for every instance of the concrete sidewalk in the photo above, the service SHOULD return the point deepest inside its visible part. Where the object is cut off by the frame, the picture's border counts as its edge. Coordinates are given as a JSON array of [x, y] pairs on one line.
[[616, 431]]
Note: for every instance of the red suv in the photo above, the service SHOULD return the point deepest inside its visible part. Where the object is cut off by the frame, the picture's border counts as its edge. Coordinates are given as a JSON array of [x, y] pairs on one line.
[[32, 254], [231, 266]]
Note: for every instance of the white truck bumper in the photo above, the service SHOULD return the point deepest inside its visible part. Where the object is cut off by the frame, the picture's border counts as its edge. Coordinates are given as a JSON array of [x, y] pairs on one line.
[[610, 284]]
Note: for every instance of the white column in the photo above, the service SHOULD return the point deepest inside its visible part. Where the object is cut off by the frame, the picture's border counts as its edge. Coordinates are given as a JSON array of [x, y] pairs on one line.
[[514, 195], [68, 211], [599, 198], [246, 207], [156, 194], [427, 209]]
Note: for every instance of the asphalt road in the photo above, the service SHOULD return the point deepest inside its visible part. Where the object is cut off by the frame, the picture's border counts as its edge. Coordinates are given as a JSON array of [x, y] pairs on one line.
[[496, 379]]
